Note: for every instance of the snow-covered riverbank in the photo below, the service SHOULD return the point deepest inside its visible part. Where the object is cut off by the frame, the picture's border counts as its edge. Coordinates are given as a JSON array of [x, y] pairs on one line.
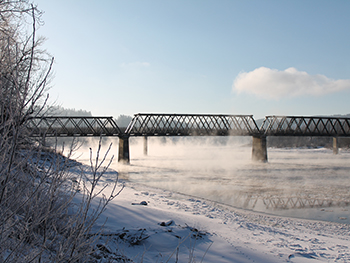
[[173, 227], [147, 223]]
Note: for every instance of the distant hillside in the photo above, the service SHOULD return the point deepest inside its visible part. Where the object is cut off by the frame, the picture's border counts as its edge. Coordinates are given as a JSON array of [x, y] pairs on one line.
[[61, 111], [123, 120]]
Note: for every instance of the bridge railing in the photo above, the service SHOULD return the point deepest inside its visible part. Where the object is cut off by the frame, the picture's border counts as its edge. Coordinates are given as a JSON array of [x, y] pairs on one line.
[[305, 126], [144, 124], [52, 126]]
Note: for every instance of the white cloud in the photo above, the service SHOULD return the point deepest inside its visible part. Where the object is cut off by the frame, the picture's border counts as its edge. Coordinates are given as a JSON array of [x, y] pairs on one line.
[[275, 84], [135, 64]]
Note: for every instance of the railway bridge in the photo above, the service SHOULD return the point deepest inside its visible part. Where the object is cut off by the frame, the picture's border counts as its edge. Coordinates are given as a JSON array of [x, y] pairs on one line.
[[151, 124]]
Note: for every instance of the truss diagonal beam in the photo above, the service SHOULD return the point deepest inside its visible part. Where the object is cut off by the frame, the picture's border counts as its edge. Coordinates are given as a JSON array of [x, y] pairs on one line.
[[189, 125], [144, 124], [59, 126], [305, 126]]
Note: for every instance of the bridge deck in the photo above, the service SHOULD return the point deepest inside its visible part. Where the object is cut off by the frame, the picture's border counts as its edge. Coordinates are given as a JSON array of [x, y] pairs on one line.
[[61, 126], [191, 125], [144, 124], [305, 126]]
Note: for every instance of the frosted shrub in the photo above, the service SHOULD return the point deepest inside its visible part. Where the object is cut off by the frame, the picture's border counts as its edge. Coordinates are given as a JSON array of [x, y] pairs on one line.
[[39, 220]]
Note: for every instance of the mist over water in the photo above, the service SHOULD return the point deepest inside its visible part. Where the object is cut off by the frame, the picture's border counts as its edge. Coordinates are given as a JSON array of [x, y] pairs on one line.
[[304, 183]]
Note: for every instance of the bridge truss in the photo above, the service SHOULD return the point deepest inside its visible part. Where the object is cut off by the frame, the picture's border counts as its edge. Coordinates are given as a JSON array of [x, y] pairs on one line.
[[58, 126], [191, 125], [305, 126]]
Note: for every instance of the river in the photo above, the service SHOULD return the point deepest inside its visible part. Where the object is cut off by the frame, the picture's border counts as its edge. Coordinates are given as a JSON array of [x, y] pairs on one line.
[[295, 182]]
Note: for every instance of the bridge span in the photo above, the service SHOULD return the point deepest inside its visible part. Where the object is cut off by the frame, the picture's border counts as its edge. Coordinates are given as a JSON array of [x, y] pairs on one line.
[[150, 124]]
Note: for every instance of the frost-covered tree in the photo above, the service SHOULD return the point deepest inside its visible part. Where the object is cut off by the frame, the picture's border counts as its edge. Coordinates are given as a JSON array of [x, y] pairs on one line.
[[123, 120], [24, 66], [39, 222]]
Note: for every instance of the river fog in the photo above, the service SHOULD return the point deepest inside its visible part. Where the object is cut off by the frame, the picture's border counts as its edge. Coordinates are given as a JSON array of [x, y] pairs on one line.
[[295, 182]]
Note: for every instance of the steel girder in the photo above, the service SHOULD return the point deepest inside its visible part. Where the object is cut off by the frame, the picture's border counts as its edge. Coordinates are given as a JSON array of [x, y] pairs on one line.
[[305, 126], [189, 125], [52, 126], [144, 124]]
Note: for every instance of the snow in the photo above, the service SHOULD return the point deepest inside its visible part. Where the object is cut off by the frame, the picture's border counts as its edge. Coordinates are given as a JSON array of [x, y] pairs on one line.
[[149, 224], [173, 226]]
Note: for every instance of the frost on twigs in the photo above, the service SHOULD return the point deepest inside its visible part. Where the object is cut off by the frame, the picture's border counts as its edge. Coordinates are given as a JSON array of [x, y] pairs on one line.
[[40, 218], [49, 213]]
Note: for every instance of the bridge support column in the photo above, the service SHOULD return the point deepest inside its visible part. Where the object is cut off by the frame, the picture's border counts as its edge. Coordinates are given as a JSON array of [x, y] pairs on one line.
[[145, 148], [335, 145], [124, 152], [43, 140], [259, 149]]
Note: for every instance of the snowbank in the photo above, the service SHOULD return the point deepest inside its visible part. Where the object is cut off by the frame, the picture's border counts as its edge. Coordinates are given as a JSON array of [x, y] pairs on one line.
[[145, 224]]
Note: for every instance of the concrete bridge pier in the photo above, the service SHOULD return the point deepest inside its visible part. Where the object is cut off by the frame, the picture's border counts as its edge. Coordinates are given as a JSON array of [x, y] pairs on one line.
[[145, 146], [43, 140], [335, 145], [259, 149], [124, 151]]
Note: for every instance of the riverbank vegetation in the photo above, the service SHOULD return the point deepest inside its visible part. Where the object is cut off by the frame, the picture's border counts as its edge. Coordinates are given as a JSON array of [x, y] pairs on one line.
[[45, 210]]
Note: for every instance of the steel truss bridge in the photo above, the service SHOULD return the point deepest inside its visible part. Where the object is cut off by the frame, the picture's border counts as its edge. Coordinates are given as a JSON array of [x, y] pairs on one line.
[[191, 125], [58, 126], [305, 126]]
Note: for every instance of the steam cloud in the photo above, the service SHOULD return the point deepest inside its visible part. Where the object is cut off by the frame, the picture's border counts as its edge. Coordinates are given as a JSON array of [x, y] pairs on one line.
[[275, 84]]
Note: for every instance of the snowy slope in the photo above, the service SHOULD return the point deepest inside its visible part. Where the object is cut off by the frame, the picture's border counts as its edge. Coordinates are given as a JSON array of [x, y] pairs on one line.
[[176, 228]]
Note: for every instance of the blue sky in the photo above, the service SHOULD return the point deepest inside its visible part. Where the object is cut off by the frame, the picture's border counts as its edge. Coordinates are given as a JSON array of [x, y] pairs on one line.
[[230, 57]]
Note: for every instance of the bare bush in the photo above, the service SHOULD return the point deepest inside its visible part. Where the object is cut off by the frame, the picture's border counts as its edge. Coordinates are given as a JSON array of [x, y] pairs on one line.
[[41, 218]]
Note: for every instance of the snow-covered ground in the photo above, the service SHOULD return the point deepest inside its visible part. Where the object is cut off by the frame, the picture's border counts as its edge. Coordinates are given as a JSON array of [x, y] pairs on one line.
[[149, 224], [172, 226]]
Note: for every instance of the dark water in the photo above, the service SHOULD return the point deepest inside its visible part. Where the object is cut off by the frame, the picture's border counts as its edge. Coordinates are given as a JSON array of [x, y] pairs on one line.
[[303, 183]]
